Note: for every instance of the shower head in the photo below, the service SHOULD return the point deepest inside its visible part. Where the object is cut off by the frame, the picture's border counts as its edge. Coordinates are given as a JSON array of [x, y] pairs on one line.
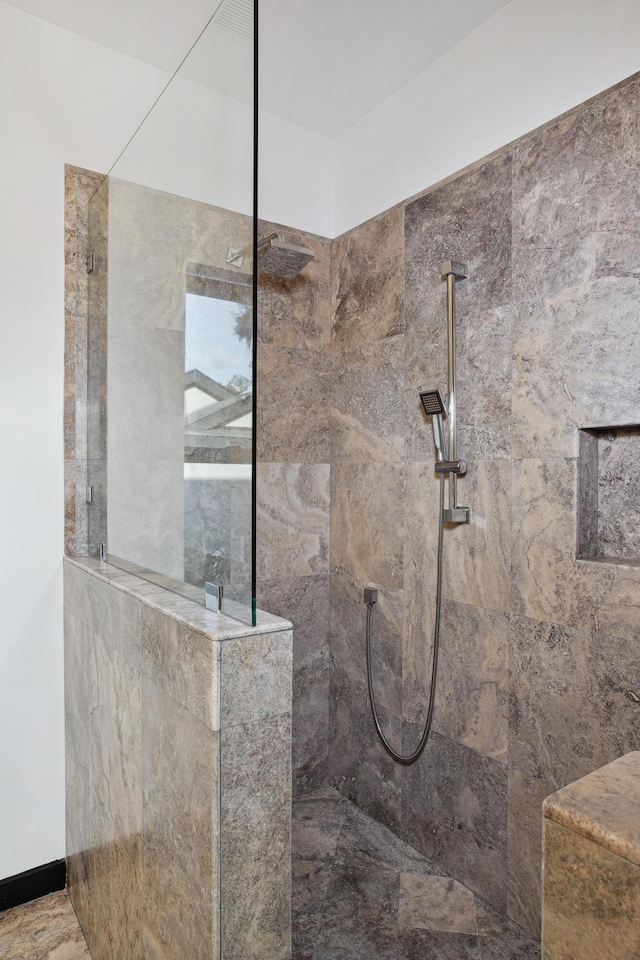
[[433, 406], [433, 402], [275, 257], [280, 259]]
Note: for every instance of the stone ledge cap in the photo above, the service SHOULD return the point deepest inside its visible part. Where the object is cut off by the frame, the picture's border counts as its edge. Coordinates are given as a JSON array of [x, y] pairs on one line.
[[190, 613], [603, 807]]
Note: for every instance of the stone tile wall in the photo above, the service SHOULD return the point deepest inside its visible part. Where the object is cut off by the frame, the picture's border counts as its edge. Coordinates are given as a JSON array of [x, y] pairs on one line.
[[178, 747], [538, 650], [80, 186], [293, 492]]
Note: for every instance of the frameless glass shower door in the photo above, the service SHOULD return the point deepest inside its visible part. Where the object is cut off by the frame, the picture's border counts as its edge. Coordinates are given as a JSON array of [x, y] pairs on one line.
[[172, 331]]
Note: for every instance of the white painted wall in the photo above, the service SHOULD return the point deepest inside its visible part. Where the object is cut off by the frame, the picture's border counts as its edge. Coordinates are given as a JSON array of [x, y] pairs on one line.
[[530, 62], [62, 99], [199, 144]]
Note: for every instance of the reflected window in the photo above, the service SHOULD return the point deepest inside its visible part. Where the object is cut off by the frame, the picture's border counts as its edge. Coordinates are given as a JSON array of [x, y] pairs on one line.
[[218, 415]]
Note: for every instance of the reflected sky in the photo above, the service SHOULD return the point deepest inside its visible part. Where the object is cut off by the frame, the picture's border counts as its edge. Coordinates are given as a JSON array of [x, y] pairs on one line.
[[211, 343]]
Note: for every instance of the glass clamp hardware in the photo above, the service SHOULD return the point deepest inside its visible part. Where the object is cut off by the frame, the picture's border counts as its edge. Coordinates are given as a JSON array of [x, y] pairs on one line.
[[213, 593]]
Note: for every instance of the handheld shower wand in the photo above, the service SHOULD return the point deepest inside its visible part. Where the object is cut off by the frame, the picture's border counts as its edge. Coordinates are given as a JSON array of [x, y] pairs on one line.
[[434, 407]]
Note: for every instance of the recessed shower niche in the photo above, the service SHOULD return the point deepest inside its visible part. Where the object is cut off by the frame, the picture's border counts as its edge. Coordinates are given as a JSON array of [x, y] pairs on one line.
[[609, 494]]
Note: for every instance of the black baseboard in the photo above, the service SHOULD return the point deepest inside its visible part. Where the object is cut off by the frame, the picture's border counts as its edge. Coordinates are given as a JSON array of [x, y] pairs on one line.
[[33, 884]]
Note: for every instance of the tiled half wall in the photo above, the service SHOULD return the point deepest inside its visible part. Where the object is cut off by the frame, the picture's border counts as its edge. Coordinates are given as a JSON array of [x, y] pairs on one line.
[[178, 746]]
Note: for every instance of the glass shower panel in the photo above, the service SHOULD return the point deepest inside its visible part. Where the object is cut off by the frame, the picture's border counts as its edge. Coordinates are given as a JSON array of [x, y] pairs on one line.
[[171, 338]]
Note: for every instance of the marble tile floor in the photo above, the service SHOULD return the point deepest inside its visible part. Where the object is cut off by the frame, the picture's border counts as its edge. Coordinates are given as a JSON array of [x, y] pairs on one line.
[[360, 893], [45, 929]]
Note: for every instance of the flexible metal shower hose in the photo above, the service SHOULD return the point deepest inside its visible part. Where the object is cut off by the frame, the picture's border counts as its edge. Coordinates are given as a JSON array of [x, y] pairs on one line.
[[412, 757]]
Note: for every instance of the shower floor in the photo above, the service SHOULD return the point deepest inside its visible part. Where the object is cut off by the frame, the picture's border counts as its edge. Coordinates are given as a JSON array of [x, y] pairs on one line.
[[360, 893]]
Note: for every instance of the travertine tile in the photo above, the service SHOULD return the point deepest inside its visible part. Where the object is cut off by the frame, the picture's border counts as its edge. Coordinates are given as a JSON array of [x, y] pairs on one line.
[[445, 946], [311, 880], [575, 207], [293, 520], [420, 547], [180, 872], [554, 732], [155, 540], [570, 713], [526, 796], [255, 678], [574, 363], [472, 693], [111, 614], [436, 903], [484, 361], [591, 907], [367, 270], [376, 241], [294, 409], [81, 698], [46, 929], [255, 847], [362, 890], [305, 602], [344, 938], [497, 927], [545, 575], [372, 874], [360, 766], [505, 949], [367, 522], [454, 811], [466, 220], [183, 663], [618, 493], [367, 409], [314, 831], [209, 522], [114, 860], [484, 347]]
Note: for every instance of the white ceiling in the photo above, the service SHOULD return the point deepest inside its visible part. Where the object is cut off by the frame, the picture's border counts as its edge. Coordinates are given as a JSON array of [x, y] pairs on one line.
[[327, 63], [324, 64]]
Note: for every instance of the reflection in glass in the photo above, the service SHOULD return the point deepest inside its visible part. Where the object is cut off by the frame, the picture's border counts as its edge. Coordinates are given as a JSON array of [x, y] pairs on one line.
[[218, 406], [171, 325]]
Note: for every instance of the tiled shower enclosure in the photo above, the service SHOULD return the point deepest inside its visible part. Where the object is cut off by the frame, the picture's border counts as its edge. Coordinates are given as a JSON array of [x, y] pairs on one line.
[[538, 648]]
